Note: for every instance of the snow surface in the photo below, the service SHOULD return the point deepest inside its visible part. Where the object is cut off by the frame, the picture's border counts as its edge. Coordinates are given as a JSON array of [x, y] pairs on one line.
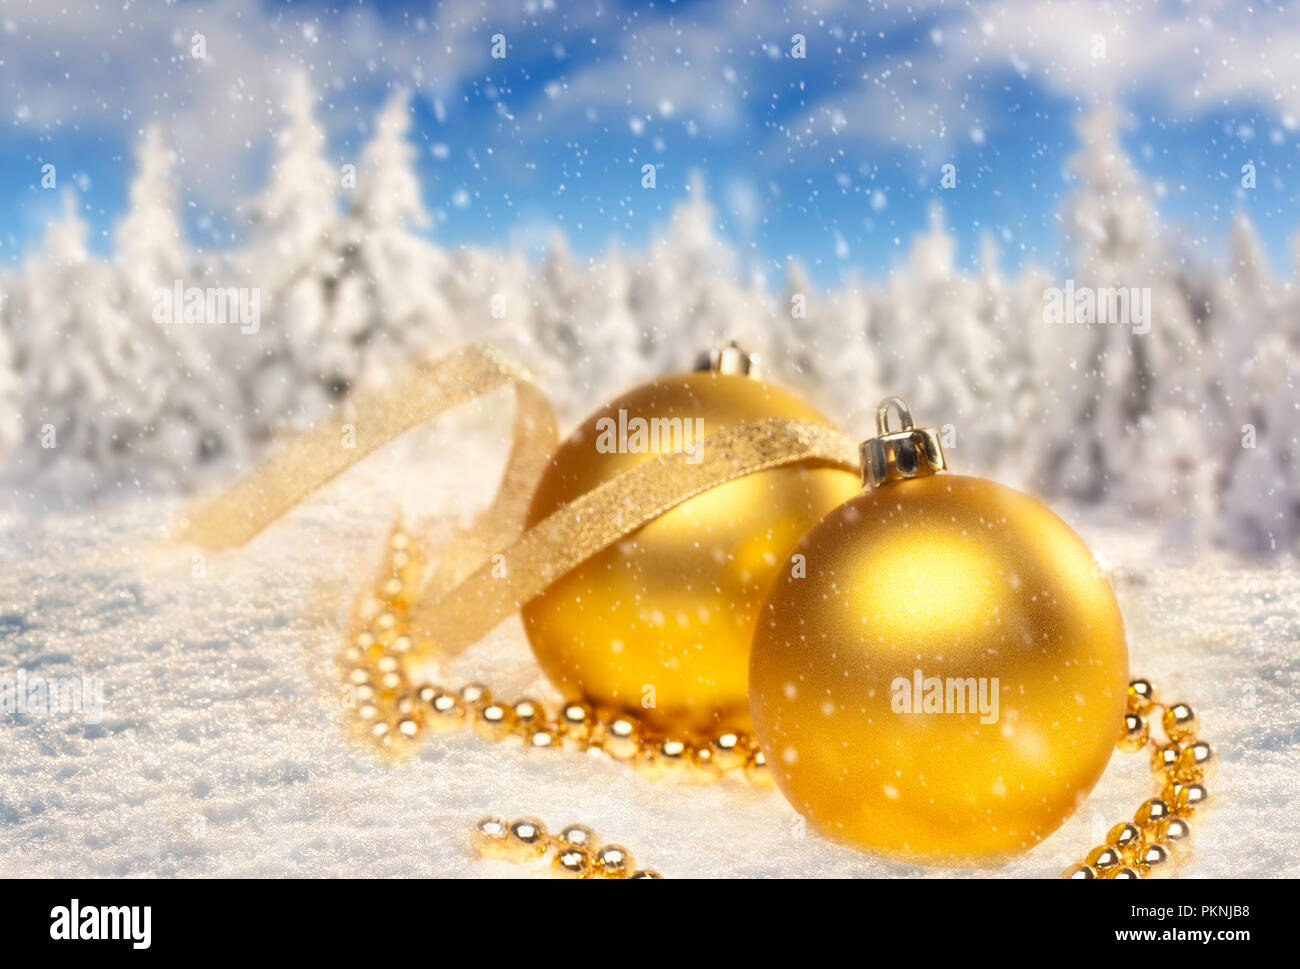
[[221, 753]]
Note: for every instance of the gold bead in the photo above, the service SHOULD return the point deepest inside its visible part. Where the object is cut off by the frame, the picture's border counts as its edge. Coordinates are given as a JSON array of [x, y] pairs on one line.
[[392, 681], [576, 720], [620, 737], [674, 756], [728, 751], [529, 714], [756, 769], [489, 838], [1156, 860], [702, 761], [445, 710], [577, 836], [1191, 799], [475, 695], [665, 758], [1141, 695], [364, 692], [1123, 873], [1169, 793], [1151, 812], [1196, 762], [572, 862], [614, 861], [1180, 722], [408, 728], [1133, 736], [1104, 858], [399, 541], [1125, 838], [494, 721], [1080, 872], [645, 873], [542, 739], [526, 840], [368, 712], [1177, 833], [1165, 758], [358, 676]]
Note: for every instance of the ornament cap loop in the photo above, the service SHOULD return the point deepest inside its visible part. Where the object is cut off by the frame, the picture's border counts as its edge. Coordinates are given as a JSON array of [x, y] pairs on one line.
[[730, 358], [910, 452], [882, 415]]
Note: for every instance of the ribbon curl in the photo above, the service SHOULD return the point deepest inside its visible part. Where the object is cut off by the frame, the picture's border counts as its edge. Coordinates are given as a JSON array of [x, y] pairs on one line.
[[468, 594]]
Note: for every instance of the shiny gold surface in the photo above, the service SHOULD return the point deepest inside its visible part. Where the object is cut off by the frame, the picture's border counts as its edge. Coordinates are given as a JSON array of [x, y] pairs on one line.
[[666, 616], [957, 577]]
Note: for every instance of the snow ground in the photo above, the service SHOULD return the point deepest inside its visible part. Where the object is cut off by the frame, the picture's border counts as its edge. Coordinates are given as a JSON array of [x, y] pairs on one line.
[[220, 750]]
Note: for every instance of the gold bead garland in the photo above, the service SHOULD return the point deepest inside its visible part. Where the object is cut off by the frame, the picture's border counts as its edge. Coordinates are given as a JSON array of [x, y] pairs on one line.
[[576, 851], [393, 713], [1159, 837]]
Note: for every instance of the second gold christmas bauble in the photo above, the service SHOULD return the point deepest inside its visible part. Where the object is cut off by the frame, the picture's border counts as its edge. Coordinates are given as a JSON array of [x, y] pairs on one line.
[[946, 680], [660, 624]]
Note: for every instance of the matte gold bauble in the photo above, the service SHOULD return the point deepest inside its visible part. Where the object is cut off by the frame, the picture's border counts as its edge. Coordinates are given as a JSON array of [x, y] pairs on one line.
[[660, 624], [948, 680]]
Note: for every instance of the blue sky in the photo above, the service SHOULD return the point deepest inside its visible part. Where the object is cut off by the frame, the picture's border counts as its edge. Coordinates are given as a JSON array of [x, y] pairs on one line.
[[833, 158]]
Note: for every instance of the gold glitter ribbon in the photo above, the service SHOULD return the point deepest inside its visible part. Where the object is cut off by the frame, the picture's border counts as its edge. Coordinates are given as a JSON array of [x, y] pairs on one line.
[[493, 567], [369, 420]]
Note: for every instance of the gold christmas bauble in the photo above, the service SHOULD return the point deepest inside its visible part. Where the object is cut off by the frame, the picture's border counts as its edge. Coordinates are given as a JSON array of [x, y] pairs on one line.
[[946, 682], [660, 624]]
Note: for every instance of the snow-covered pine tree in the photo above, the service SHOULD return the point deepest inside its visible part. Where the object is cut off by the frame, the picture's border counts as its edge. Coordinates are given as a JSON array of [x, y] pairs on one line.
[[1236, 301], [560, 315], [106, 390], [1260, 508], [70, 350], [582, 326], [1255, 402], [616, 331], [292, 257], [1123, 417], [1002, 373], [297, 211], [149, 243], [1035, 408], [939, 351], [849, 366], [817, 341], [685, 291], [386, 303], [790, 339], [170, 403], [1131, 397]]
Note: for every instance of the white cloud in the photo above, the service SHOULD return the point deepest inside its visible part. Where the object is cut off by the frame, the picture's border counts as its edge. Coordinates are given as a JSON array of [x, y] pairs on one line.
[[115, 68], [1190, 56]]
